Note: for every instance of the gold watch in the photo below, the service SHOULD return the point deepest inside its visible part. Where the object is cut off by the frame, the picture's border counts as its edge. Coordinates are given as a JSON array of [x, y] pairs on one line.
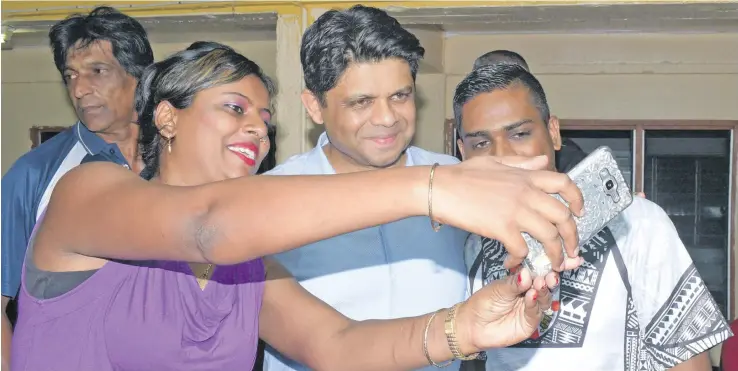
[[450, 330]]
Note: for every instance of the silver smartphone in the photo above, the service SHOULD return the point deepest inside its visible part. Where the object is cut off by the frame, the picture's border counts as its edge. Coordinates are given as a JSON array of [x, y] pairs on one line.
[[606, 194]]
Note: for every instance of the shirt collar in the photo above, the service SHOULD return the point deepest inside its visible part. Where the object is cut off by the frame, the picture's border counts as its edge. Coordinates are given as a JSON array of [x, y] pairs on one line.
[[323, 140], [92, 143], [319, 158], [95, 145]]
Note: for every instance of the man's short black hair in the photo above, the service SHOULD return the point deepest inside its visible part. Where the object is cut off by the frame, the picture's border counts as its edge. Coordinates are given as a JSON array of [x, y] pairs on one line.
[[501, 56], [126, 35], [487, 79], [359, 34]]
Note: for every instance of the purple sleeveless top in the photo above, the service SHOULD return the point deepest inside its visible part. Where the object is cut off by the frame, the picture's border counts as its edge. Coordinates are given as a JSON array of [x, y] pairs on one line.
[[144, 317]]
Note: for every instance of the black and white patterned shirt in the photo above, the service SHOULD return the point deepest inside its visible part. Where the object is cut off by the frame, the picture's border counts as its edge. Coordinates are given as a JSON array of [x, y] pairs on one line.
[[636, 304]]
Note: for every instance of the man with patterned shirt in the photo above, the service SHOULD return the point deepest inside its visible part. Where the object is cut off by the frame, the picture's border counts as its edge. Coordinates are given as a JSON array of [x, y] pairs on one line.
[[637, 303]]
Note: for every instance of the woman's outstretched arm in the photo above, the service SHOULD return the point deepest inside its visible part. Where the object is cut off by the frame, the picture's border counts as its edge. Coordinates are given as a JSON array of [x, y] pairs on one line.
[[309, 331], [102, 210]]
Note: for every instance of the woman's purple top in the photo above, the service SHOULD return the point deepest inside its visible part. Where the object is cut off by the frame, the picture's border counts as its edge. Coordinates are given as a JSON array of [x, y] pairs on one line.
[[150, 316]]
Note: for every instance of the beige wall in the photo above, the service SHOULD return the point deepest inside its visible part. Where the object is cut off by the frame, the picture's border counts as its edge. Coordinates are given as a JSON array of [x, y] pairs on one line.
[[431, 86], [33, 95], [618, 76], [431, 89], [615, 76]]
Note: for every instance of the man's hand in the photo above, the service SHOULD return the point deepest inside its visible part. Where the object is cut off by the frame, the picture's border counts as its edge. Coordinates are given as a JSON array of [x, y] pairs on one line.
[[485, 196]]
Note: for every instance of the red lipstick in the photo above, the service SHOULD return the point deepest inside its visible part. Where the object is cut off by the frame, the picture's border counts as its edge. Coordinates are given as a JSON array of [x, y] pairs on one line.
[[248, 152]]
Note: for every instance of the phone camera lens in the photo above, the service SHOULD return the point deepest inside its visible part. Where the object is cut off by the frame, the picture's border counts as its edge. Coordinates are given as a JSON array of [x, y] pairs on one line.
[[609, 185]]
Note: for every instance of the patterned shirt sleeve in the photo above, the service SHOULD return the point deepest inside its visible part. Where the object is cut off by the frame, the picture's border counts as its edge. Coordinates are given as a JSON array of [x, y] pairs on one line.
[[670, 306]]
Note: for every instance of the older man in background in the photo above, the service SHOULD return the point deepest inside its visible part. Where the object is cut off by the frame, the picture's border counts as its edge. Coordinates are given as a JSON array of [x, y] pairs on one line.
[[100, 57]]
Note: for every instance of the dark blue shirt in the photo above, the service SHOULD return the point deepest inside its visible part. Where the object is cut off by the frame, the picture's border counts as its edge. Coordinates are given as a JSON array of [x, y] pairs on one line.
[[27, 186]]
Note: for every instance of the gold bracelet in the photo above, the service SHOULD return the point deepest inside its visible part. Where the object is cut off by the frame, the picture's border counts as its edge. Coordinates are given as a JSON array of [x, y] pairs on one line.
[[450, 330], [425, 344], [434, 224]]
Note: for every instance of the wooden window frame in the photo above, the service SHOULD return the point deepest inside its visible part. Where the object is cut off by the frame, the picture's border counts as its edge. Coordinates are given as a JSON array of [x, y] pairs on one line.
[[37, 131], [639, 128]]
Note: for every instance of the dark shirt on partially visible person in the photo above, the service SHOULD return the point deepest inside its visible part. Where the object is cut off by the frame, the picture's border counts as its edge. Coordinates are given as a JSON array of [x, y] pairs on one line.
[[569, 155]]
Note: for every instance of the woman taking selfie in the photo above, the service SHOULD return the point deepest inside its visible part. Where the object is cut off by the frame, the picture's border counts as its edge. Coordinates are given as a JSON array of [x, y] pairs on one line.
[[170, 275]]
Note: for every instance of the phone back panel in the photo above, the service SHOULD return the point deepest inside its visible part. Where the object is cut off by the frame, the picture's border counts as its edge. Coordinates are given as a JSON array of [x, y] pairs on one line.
[[606, 194]]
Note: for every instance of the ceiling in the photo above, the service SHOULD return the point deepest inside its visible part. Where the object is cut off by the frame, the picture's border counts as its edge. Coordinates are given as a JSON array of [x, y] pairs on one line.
[[665, 18], [204, 23], [165, 29]]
